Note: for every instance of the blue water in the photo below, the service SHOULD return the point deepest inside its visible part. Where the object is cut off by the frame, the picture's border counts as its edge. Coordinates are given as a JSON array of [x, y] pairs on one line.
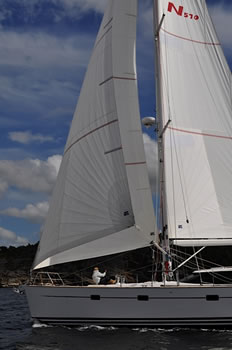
[[18, 332]]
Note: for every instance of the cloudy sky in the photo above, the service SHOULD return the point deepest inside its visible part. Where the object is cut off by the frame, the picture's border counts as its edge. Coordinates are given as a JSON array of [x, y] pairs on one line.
[[45, 46]]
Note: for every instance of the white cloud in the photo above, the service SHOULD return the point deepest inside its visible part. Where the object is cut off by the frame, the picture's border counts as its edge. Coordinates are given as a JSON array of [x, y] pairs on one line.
[[56, 10], [151, 151], [28, 49], [3, 187], [40, 72], [31, 174], [27, 137], [32, 212], [10, 238], [83, 5]]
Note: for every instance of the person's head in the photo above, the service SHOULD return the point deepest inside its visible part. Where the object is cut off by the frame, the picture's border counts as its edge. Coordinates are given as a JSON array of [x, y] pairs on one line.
[[96, 269]]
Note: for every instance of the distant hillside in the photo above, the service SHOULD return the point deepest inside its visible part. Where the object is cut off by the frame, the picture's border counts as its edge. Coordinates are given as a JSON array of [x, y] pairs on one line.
[[15, 264]]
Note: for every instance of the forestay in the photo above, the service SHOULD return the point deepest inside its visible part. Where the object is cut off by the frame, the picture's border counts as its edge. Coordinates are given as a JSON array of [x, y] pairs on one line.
[[102, 201], [196, 96]]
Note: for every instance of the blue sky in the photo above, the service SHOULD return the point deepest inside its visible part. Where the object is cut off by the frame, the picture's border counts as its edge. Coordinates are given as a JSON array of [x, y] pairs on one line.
[[45, 46]]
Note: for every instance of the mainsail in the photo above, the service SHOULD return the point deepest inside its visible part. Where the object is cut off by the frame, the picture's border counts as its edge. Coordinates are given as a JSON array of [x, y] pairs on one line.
[[102, 201], [195, 89]]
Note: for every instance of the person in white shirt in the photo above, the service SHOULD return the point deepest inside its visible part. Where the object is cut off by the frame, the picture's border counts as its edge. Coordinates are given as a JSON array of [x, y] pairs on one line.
[[97, 275]]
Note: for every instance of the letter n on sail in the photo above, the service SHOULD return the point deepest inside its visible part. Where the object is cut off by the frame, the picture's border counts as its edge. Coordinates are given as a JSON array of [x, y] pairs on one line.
[[171, 7]]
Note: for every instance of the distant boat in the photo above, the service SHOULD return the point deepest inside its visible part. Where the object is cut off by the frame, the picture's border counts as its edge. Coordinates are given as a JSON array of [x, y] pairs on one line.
[[102, 202]]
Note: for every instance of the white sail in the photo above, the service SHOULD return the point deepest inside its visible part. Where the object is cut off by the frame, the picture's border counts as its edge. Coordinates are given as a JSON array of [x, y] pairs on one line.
[[102, 201], [195, 85]]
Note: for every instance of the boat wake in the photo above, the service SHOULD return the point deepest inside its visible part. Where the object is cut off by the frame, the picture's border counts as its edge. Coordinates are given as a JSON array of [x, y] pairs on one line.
[[176, 330], [37, 324], [96, 328]]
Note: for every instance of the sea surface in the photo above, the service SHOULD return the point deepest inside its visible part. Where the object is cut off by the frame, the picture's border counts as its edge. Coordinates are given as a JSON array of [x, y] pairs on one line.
[[18, 332]]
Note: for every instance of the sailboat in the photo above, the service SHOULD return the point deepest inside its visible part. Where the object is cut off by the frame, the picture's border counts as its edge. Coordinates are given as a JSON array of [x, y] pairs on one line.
[[102, 202]]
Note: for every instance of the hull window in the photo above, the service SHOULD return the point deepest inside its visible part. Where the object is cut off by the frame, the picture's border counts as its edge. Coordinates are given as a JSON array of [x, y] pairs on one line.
[[212, 297], [143, 297]]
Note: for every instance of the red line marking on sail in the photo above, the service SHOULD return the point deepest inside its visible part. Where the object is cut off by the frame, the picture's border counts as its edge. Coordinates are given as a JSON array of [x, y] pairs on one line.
[[200, 133], [193, 41], [138, 163], [90, 132], [119, 78]]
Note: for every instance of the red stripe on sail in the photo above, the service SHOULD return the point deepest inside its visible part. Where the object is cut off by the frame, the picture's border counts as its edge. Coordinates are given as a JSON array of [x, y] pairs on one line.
[[200, 133], [90, 132], [193, 41]]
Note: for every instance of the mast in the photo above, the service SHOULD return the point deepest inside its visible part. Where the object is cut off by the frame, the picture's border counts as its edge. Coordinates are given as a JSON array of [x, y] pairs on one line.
[[161, 128]]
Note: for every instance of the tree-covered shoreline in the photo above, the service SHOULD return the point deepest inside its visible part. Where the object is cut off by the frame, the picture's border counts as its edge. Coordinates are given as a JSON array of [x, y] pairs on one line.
[[16, 263]]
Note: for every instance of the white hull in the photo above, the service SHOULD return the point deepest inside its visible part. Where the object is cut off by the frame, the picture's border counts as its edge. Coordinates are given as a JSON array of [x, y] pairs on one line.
[[140, 305]]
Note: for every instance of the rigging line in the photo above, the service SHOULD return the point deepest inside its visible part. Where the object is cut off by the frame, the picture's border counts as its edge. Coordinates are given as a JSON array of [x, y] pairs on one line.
[[179, 260], [160, 107], [173, 185], [110, 259], [103, 261], [157, 200], [194, 251], [140, 268], [157, 262], [200, 258], [220, 277], [166, 85], [201, 261], [167, 77], [190, 265], [166, 81], [181, 180], [184, 262]]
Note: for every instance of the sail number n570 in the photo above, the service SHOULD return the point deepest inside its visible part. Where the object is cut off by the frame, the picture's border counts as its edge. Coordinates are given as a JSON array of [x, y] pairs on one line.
[[180, 11]]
